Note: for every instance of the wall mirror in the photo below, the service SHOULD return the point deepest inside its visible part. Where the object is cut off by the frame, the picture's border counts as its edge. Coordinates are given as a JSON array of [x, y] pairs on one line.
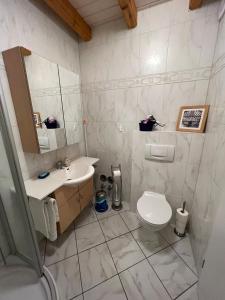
[[46, 96], [72, 105]]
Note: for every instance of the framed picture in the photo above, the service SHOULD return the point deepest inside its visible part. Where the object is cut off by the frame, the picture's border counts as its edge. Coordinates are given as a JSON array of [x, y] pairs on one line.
[[37, 119], [192, 118]]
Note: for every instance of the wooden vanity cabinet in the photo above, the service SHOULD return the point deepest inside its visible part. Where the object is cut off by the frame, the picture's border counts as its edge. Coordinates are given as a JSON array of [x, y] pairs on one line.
[[86, 193], [71, 201], [67, 199]]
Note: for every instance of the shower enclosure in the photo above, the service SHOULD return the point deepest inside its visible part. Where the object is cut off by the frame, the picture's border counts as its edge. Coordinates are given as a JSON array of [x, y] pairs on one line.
[[21, 269]]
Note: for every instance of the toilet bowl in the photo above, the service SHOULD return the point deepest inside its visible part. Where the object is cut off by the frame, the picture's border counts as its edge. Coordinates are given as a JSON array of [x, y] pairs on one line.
[[153, 211]]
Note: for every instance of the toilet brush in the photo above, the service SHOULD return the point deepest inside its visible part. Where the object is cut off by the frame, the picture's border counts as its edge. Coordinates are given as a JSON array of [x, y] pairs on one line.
[[181, 220]]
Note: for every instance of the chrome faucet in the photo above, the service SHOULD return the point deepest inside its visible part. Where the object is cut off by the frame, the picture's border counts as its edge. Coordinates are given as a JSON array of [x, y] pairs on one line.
[[59, 165], [63, 164]]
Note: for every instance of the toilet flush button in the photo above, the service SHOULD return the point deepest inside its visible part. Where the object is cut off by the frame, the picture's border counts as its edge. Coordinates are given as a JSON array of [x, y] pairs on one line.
[[159, 152]]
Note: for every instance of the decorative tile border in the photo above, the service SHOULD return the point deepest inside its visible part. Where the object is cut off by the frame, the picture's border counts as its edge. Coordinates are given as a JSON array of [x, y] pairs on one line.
[[56, 91], [45, 92], [69, 90], [153, 79]]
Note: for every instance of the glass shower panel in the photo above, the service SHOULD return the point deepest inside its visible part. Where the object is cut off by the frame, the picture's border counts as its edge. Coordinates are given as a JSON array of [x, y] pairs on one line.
[[14, 202]]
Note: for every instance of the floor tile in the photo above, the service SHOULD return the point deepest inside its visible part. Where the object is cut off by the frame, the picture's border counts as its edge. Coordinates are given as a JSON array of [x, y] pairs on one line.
[[108, 213], [108, 290], [125, 206], [131, 220], [140, 282], [149, 241], [86, 217], [172, 271], [89, 236], [64, 247], [96, 266], [191, 294], [113, 227], [125, 252], [169, 235], [183, 248], [67, 277]]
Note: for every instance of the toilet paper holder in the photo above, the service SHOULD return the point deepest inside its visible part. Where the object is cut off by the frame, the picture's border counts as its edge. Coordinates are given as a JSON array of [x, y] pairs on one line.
[[181, 221], [117, 187]]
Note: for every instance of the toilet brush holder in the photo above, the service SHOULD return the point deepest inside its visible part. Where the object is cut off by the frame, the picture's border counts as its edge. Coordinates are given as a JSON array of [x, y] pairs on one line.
[[181, 221], [117, 188]]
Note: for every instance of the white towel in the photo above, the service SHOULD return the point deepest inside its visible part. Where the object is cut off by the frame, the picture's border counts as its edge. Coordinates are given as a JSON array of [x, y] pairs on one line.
[[55, 206], [51, 217], [45, 216]]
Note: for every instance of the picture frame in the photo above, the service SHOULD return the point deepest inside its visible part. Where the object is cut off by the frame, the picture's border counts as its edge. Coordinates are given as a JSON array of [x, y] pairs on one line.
[[37, 120], [192, 118]]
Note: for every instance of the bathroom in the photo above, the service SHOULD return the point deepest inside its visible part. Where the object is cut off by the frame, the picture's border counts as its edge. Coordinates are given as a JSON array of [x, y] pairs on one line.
[[78, 80]]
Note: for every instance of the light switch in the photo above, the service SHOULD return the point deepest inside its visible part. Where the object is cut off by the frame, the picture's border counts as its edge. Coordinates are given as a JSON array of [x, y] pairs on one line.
[[159, 152]]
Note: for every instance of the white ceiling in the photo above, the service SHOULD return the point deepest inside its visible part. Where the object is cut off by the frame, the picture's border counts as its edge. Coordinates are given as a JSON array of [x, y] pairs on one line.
[[96, 12]]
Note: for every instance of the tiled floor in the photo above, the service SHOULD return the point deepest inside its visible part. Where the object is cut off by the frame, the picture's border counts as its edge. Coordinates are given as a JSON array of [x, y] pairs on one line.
[[110, 256]]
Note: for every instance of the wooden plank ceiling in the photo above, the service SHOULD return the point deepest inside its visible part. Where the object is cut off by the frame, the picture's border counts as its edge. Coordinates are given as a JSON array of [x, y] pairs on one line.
[[96, 12], [81, 15]]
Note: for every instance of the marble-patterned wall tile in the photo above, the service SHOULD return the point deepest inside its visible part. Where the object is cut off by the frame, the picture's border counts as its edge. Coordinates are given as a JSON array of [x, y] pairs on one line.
[[181, 13], [157, 17], [95, 64], [44, 35], [185, 40], [163, 41], [151, 100], [108, 106], [209, 193], [107, 142], [153, 51], [177, 179], [178, 94], [220, 48], [184, 48], [210, 186], [47, 37]]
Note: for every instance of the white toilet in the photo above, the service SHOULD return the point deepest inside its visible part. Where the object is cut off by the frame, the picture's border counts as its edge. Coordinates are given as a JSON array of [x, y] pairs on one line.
[[153, 211]]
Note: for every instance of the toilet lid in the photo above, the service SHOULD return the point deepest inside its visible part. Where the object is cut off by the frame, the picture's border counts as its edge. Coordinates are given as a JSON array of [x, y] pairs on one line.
[[154, 208]]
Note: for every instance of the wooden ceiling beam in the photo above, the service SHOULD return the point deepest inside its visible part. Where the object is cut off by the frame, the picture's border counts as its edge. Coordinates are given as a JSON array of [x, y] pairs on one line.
[[129, 10], [65, 10], [194, 4]]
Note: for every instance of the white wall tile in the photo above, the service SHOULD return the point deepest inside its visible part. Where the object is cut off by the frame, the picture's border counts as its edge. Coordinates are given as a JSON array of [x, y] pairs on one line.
[[210, 186], [24, 23], [153, 51]]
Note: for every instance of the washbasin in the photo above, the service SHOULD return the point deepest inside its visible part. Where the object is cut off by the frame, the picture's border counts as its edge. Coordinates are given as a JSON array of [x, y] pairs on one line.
[[78, 172]]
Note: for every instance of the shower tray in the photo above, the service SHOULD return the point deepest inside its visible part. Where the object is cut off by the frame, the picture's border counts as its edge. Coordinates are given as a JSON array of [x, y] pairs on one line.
[[19, 281]]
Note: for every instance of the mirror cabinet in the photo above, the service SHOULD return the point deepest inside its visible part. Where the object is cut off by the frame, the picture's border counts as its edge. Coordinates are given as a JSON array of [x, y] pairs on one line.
[[47, 101]]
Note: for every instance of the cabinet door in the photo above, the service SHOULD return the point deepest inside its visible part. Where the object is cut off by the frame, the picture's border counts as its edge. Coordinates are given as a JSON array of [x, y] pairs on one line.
[[62, 194], [68, 212], [86, 193]]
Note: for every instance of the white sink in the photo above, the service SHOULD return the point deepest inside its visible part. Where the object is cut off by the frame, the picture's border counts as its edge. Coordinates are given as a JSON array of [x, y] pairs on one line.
[[78, 172]]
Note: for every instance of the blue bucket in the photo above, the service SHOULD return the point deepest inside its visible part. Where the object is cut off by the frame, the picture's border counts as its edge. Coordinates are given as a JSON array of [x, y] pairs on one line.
[[101, 204]]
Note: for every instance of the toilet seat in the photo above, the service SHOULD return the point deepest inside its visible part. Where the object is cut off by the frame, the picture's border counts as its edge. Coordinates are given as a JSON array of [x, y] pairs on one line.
[[154, 209]]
